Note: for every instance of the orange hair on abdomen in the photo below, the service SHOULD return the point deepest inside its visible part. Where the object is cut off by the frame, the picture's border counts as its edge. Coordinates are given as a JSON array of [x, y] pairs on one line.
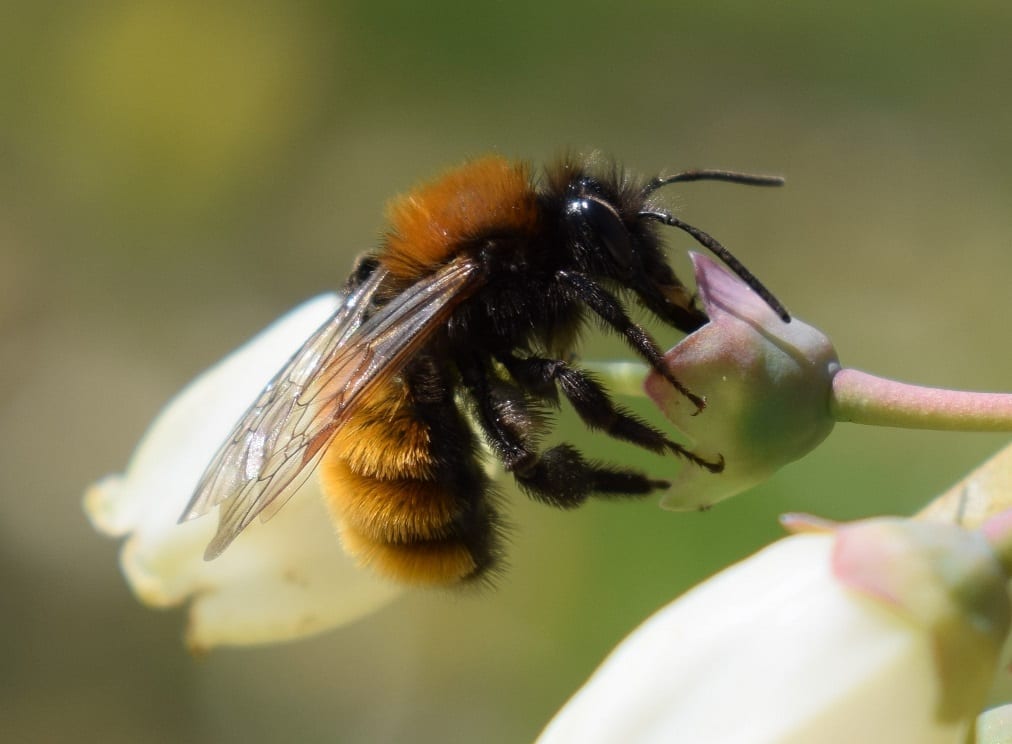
[[396, 508], [432, 222]]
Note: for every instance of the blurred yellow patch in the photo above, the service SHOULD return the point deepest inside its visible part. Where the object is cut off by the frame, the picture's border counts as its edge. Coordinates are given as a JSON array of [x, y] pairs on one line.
[[174, 103]]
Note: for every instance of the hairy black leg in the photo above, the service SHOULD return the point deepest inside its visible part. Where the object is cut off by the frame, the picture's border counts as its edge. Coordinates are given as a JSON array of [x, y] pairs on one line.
[[503, 414], [610, 310], [562, 478], [534, 374], [674, 304], [594, 406], [559, 476]]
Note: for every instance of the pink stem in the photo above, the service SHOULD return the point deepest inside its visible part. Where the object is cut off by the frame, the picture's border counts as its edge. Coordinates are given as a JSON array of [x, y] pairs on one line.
[[867, 399]]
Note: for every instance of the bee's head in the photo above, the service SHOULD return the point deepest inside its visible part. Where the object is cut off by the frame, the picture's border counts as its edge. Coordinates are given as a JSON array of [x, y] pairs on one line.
[[612, 238], [597, 228], [611, 226]]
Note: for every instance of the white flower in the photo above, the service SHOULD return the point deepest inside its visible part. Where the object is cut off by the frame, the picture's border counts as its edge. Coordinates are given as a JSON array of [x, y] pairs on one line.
[[806, 642], [995, 726], [280, 580]]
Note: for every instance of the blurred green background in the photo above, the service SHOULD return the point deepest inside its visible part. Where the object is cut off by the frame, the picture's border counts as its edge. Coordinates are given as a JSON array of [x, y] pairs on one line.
[[175, 175]]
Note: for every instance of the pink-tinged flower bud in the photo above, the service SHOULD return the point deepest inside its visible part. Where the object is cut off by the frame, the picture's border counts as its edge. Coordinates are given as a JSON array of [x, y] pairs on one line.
[[289, 580], [884, 631], [767, 386]]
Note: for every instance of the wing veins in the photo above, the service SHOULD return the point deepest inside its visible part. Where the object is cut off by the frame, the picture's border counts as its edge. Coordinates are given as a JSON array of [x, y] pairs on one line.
[[282, 437]]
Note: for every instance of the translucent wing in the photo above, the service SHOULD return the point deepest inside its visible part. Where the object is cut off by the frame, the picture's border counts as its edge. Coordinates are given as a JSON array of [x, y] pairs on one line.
[[283, 435]]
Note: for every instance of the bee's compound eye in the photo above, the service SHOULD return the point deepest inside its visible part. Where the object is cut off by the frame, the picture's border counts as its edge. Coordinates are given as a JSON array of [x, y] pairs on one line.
[[597, 223]]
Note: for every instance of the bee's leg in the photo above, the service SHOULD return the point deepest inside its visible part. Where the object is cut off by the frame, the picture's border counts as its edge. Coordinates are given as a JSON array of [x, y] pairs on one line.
[[560, 476], [364, 267], [593, 404], [504, 414], [610, 310]]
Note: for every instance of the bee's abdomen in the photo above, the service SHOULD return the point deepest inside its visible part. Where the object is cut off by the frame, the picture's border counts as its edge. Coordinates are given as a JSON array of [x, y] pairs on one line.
[[407, 493]]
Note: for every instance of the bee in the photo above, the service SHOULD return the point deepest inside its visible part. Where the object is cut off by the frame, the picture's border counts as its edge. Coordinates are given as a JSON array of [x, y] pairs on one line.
[[464, 322]]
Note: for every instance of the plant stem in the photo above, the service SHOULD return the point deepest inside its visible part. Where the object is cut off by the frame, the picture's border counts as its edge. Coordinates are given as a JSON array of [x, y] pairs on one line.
[[622, 378], [867, 399]]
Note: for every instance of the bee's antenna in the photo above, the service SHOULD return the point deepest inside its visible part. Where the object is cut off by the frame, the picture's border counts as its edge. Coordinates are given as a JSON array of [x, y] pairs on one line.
[[724, 255], [706, 174]]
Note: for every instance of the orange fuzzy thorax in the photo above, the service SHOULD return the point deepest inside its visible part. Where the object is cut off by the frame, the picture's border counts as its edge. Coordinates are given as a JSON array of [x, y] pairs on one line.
[[434, 221]]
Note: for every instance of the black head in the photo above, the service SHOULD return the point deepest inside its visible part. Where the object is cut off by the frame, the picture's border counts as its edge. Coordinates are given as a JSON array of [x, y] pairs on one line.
[[609, 221], [595, 225]]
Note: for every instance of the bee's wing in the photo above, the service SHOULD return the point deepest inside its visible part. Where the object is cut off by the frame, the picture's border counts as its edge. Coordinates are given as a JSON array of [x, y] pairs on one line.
[[282, 436], [241, 457]]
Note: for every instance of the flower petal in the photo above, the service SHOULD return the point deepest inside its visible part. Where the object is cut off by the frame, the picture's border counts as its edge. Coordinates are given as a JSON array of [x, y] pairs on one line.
[[778, 650], [995, 726], [279, 580]]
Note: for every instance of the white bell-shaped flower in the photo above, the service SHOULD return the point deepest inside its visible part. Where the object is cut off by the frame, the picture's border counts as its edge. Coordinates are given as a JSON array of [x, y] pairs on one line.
[[885, 631], [279, 580]]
